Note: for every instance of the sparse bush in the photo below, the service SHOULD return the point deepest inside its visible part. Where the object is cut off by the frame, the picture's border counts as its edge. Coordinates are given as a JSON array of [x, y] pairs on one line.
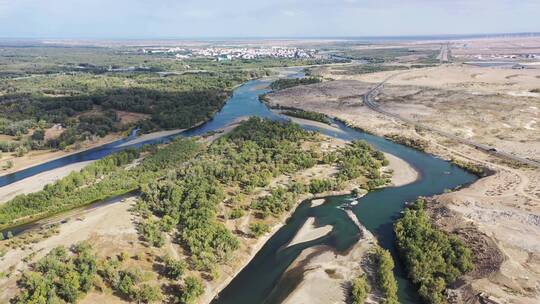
[[258, 229], [174, 269], [191, 290]]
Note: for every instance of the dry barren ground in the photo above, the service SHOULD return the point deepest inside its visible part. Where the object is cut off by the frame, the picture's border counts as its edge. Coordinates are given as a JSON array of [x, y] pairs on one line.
[[499, 216]]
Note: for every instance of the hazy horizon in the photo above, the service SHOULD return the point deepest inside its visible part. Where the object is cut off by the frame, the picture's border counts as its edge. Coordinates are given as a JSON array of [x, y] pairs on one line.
[[243, 19], [224, 38]]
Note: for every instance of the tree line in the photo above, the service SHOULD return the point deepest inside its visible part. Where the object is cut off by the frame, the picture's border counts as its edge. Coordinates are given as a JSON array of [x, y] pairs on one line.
[[286, 83]]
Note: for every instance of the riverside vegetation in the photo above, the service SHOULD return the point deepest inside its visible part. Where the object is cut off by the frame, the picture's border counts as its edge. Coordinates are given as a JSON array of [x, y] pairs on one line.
[[383, 279], [286, 83], [315, 116], [433, 258], [188, 188]]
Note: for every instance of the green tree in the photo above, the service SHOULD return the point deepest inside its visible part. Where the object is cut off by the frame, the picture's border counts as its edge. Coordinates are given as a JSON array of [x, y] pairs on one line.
[[174, 269], [191, 290], [433, 258], [258, 229], [69, 287], [385, 276], [360, 290], [148, 294]]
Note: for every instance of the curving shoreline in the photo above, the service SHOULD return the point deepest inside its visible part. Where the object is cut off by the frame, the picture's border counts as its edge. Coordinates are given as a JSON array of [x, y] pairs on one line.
[[310, 232], [403, 173], [39, 181]]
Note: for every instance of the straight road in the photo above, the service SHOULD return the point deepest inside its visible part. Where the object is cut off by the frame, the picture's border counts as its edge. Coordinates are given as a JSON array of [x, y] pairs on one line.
[[444, 55]]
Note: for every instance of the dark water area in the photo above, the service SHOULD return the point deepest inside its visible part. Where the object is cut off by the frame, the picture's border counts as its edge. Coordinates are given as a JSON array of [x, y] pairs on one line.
[[262, 281]]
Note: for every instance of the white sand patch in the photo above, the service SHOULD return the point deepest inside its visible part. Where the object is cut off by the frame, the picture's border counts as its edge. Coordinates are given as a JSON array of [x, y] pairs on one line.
[[151, 136], [317, 202], [309, 232], [37, 182], [403, 173], [327, 272], [468, 133]]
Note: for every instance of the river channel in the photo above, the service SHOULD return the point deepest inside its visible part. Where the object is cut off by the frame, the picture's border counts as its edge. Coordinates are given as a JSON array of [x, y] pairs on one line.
[[261, 281]]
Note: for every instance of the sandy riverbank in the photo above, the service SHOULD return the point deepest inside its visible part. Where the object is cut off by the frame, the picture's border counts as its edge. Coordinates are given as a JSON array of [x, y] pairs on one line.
[[35, 158], [310, 232], [402, 172], [37, 182], [151, 136], [326, 274]]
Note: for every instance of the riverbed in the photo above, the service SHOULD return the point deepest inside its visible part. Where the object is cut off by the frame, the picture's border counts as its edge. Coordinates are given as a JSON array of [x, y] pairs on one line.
[[262, 281]]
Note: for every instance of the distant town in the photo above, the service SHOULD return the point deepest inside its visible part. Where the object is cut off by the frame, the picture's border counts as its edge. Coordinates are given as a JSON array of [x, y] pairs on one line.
[[223, 53]]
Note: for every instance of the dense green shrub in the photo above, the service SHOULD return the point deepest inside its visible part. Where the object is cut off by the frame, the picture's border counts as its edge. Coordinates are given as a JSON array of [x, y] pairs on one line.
[[236, 213], [145, 293], [360, 290], [433, 258], [258, 229], [174, 269], [285, 83], [59, 276], [191, 290], [385, 276]]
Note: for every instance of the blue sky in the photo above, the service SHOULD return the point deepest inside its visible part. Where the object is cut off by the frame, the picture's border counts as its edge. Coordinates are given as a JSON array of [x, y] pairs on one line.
[[259, 18]]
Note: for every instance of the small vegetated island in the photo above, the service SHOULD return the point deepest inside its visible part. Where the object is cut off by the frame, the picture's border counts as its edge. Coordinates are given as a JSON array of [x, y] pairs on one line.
[[213, 200]]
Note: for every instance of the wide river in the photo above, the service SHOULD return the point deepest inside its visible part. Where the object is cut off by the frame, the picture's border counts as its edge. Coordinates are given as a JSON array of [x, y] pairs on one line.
[[262, 280]]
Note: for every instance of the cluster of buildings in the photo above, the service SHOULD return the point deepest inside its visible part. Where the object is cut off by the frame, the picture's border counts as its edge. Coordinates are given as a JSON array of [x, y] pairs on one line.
[[224, 53]]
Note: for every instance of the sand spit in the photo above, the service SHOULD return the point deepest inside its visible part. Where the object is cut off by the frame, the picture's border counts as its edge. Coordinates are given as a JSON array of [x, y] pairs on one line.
[[317, 202], [310, 232], [326, 274], [37, 182], [402, 172], [307, 122], [151, 136]]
